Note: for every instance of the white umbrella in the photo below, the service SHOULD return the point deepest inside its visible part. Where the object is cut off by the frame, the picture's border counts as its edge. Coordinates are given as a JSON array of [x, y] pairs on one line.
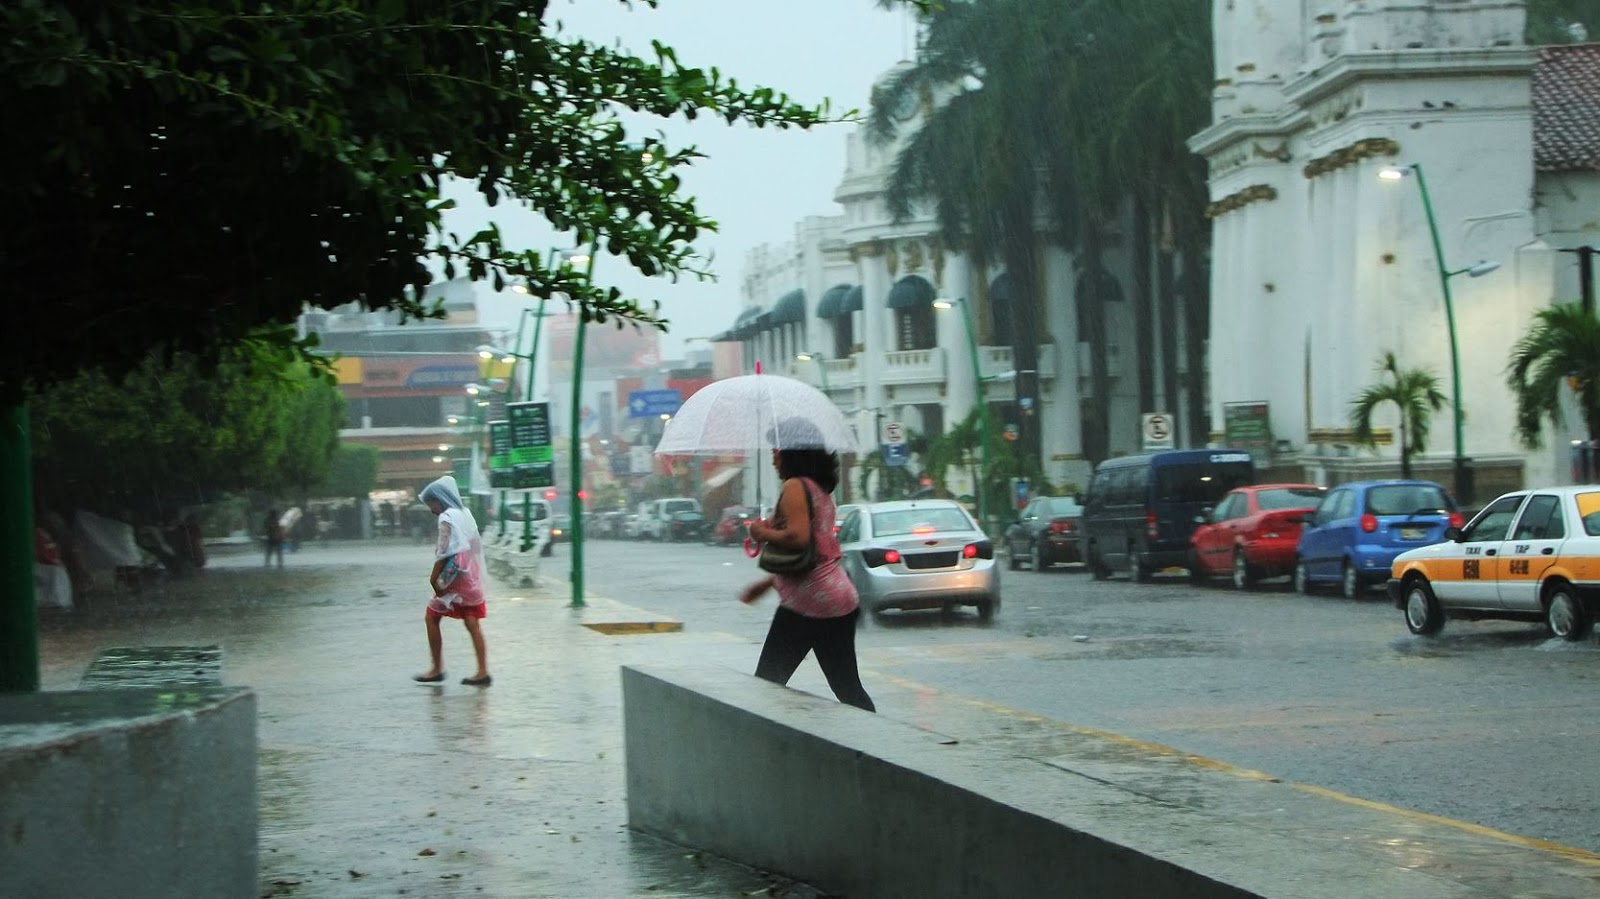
[[736, 416]]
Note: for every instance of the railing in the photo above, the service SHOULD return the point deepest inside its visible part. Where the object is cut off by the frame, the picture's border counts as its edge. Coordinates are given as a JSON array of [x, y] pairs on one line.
[[914, 367], [998, 361]]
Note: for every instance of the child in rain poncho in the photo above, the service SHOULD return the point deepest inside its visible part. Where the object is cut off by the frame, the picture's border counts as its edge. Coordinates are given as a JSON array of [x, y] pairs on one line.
[[456, 579]]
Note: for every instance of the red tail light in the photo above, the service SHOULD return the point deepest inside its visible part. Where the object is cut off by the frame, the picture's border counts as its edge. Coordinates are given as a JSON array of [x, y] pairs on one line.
[[983, 549], [1369, 522], [876, 557], [1456, 520], [1151, 528], [1063, 527]]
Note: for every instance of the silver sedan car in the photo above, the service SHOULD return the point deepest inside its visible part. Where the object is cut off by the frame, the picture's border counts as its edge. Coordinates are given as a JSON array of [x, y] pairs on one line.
[[919, 554]]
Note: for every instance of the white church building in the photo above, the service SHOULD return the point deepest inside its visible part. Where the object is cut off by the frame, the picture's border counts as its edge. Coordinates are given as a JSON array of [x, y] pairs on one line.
[[1324, 115]]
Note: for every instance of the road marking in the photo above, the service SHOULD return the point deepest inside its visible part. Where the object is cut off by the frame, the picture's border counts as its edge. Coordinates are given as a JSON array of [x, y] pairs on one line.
[[1571, 853]]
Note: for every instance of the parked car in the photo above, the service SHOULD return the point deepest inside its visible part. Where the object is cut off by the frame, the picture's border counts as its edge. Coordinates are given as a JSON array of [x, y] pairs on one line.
[[512, 514], [687, 525], [1252, 534], [840, 513], [1139, 511], [1358, 529], [919, 554], [730, 526], [561, 529], [654, 517], [1046, 533], [1528, 556]]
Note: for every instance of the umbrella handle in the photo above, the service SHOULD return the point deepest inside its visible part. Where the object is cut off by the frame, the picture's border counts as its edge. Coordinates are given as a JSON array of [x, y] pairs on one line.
[[751, 548]]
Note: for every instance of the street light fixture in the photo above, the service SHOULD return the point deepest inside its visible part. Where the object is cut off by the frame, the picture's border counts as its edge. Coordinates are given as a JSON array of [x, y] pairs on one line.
[[1463, 475], [822, 365], [944, 305]]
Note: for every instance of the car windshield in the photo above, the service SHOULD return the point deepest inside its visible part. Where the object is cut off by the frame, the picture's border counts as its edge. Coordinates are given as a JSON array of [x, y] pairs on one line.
[[1404, 499], [680, 505], [918, 521], [1288, 498], [1204, 484]]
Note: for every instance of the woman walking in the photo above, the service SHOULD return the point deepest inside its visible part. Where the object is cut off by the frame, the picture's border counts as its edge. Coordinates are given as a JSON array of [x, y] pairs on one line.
[[817, 608], [456, 579]]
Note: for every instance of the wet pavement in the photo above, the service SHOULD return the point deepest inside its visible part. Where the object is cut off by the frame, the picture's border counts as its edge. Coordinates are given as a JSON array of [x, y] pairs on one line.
[[372, 785]]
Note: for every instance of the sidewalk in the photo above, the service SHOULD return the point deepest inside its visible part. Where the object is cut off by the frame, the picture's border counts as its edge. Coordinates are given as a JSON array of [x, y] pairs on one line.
[[372, 785]]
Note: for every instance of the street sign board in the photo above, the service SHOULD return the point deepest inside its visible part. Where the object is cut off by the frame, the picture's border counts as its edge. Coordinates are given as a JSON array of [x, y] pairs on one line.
[[500, 454], [653, 403], [461, 470], [896, 454], [533, 461], [1247, 426], [639, 459], [893, 433], [1157, 429]]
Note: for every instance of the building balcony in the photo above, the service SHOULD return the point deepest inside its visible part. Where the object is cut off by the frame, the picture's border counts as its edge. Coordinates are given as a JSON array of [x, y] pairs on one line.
[[997, 361], [914, 367]]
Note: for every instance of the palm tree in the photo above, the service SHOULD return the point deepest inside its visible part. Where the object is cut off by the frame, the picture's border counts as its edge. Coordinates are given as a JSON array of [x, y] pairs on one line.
[[1562, 348], [1415, 392]]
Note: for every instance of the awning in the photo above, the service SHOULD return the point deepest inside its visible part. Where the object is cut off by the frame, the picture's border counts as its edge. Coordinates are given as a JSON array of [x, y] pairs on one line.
[[832, 302], [744, 327], [910, 292], [722, 477], [790, 309], [853, 300]]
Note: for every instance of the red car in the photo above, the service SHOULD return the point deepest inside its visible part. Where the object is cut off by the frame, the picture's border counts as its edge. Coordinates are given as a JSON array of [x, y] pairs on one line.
[[730, 527], [1252, 533]]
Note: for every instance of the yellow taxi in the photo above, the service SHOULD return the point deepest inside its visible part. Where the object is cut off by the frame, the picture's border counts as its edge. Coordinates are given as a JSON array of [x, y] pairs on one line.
[[1532, 555]]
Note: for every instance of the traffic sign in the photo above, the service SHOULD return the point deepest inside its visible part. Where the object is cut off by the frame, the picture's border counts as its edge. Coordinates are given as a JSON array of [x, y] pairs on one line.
[[896, 454], [532, 457], [1157, 428], [893, 433], [653, 403]]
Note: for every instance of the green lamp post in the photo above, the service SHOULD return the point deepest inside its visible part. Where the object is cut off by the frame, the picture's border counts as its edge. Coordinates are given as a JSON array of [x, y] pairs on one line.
[[822, 365], [1464, 485]]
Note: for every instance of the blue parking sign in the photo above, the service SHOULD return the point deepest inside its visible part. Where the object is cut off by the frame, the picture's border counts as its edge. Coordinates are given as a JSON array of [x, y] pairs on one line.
[[896, 454]]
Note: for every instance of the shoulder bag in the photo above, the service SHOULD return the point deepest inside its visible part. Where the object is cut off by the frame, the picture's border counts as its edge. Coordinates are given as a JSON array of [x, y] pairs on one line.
[[777, 560]]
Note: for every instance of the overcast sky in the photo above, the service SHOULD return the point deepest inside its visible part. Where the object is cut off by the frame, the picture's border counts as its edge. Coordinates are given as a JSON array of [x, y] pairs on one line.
[[756, 183]]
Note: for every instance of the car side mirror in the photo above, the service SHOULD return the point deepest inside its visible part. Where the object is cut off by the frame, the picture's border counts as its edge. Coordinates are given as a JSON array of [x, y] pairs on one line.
[[1452, 534]]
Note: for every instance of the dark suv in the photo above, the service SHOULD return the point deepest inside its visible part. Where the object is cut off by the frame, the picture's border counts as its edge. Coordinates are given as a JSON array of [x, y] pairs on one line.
[[1140, 510]]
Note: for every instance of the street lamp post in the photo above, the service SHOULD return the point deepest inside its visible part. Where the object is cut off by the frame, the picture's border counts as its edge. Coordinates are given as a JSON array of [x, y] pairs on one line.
[[576, 448], [822, 365], [983, 404], [1465, 488]]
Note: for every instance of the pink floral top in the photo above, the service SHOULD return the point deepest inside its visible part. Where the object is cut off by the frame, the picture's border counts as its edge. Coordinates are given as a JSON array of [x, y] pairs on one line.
[[824, 591]]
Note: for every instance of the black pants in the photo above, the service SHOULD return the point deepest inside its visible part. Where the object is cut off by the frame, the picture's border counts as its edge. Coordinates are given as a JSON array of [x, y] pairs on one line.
[[792, 635]]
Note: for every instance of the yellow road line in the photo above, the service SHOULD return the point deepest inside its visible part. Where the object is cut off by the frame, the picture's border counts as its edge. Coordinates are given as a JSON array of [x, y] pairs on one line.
[[1572, 853]]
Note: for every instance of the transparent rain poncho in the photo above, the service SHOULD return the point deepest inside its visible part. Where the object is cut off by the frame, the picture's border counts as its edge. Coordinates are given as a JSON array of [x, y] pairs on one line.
[[459, 545]]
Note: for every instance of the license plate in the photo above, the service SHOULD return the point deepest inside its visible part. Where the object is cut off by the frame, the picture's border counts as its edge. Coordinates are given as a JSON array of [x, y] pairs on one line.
[[1413, 533]]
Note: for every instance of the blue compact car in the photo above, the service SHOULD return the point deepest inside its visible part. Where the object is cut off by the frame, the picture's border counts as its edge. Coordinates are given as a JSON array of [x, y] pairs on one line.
[[1352, 538]]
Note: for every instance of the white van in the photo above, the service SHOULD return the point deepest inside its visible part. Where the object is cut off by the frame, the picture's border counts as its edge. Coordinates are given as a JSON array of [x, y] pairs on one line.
[[512, 512], [655, 515]]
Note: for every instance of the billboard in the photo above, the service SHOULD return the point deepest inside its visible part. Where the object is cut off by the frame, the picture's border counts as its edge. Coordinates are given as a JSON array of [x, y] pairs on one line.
[[605, 346]]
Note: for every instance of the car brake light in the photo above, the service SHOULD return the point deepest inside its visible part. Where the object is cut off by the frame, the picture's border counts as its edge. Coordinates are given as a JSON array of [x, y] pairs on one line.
[[983, 549], [1369, 522], [1151, 528], [922, 529], [1456, 520], [876, 557], [1062, 527], [970, 551]]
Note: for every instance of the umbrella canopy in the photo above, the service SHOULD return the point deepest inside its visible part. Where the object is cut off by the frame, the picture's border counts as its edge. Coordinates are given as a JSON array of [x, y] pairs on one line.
[[751, 412]]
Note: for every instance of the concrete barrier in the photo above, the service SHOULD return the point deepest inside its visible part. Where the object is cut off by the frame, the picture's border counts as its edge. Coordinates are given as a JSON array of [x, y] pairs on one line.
[[865, 806], [129, 792]]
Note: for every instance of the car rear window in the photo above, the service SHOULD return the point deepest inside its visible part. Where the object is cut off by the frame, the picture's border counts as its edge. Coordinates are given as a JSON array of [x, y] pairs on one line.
[[911, 521], [1288, 498], [681, 505], [1199, 483], [1404, 499], [1056, 507]]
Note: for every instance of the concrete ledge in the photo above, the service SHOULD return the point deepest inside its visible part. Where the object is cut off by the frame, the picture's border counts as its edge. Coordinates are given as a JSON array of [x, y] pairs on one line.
[[866, 806], [129, 792]]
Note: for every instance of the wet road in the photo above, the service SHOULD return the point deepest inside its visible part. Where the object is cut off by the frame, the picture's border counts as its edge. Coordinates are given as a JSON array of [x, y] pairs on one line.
[[1490, 723]]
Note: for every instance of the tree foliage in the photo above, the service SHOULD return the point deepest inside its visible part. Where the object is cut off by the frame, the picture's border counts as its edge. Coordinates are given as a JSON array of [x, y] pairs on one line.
[[175, 432], [1416, 395], [182, 171], [1069, 113], [353, 471], [1560, 351]]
